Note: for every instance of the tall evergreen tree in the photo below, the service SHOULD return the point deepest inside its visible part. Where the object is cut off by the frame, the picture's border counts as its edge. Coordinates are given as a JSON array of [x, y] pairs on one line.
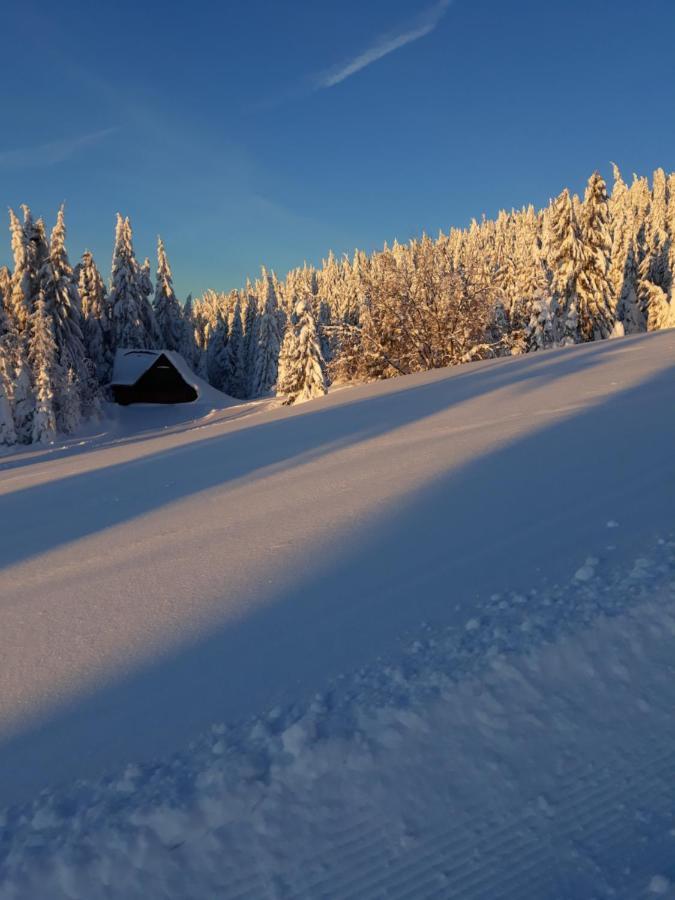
[[266, 358], [234, 363], [95, 313], [76, 394], [153, 337], [168, 313], [42, 357], [565, 261], [7, 429], [126, 298], [594, 291], [302, 374]]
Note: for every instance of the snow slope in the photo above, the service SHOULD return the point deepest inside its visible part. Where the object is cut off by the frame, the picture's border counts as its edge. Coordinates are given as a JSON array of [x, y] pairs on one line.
[[434, 616]]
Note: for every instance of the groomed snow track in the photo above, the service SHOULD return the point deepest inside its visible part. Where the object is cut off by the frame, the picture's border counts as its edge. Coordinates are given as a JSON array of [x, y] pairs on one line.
[[414, 640]]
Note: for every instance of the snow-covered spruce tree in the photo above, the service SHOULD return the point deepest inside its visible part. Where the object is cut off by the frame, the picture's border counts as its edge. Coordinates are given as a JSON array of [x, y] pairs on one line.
[[168, 313], [29, 248], [42, 357], [23, 398], [565, 261], [628, 311], [217, 361], [153, 336], [302, 370], [77, 392], [95, 313], [188, 348], [7, 429], [268, 338], [126, 300], [594, 290], [234, 361], [287, 376]]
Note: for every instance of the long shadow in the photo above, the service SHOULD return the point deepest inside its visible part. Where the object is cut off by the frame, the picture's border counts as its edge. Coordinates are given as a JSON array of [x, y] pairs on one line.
[[48, 515], [524, 513], [88, 443]]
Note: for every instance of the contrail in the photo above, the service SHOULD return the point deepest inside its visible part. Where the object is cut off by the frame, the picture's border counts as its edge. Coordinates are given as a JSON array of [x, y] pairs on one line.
[[385, 45], [52, 152]]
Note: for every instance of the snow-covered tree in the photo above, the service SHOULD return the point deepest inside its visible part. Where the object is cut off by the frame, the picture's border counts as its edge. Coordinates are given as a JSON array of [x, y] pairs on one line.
[[42, 357], [29, 248], [128, 322], [234, 360], [168, 313], [594, 290], [76, 395], [95, 313], [565, 261], [268, 338], [153, 336], [302, 374]]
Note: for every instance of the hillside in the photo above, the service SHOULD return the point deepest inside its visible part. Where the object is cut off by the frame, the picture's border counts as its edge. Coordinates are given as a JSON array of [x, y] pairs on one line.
[[411, 639]]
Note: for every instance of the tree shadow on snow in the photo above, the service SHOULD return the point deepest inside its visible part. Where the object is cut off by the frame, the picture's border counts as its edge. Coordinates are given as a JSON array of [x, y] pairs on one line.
[[54, 513], [514, 517]]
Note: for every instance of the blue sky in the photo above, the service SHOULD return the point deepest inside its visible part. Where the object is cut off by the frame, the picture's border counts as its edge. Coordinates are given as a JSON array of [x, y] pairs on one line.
[[250, 131]]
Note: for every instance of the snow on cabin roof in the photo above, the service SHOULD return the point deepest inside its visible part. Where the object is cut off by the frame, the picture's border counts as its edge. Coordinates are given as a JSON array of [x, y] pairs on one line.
[[130, 365]]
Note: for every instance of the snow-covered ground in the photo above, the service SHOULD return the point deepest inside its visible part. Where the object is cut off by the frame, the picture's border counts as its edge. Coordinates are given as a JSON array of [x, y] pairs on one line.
[[414, 639]]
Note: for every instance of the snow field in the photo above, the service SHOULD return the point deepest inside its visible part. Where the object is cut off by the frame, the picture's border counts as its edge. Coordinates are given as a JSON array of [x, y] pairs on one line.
[[525, 753]]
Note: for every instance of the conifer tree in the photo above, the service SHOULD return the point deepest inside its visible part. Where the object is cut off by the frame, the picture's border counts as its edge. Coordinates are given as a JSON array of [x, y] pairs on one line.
[[167, 309], [594, 291], [42, 357], [565, 261], [234, 361], [287, 378], [126, 298], [153, 337], [95, 314], [23, 398], [7, 429], [302, 373], [266, 357], [217, 360], [61, 294], [29, 248]]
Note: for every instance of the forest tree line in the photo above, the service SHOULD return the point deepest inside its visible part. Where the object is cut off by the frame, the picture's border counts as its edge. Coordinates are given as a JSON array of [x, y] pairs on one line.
[[578, 270]]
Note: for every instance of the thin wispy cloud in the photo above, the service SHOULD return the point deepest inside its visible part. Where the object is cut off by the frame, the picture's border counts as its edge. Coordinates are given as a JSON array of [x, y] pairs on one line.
[[384, 45], [53, 152]]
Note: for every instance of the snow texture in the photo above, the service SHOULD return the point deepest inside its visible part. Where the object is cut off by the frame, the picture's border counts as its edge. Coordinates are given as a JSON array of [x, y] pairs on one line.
[[413, 639]]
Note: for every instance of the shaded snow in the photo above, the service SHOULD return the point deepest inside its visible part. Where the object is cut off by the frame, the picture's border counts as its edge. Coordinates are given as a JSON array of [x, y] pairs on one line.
[[364, 592]]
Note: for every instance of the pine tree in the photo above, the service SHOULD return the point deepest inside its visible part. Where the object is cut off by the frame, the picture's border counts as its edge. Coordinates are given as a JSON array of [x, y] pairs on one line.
[[217, 359], [234, 362], [95, 313], [167, 309], [594, 291], [7, 429], [303, 369], [188, 347], [76, 395], [29, 248], [42, 357], [126, 299], [266, 358], [153, 336], [287, 378], [565, 261], [23, 399]]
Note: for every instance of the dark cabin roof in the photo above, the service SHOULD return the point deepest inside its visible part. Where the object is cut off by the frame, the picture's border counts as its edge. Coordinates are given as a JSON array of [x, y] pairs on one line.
[[130, 365]]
